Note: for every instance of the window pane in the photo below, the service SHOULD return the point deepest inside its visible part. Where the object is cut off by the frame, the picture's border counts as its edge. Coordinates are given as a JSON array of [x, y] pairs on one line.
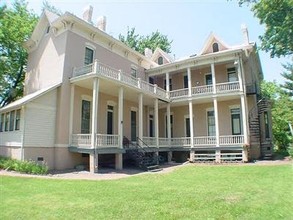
[[185, 82], [89, 56], [85, 117], [211, 123], [2, 122], [232, 74], [133, 72], [160, 60], [215, 47], [6, 121], [236, 121], [209, 79], [17, 120], [11, 123]]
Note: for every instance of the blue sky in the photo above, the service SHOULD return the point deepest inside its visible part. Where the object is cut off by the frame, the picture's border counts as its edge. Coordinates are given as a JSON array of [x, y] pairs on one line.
[[187, 23]]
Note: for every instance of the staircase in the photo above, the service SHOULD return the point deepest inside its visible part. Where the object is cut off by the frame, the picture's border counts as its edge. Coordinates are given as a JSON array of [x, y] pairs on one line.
[[254, 127], [141, 153]]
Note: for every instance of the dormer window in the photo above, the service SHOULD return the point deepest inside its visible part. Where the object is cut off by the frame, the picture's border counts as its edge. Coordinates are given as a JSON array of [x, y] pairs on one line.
[[215, 47], [160, 60], [48, 29]]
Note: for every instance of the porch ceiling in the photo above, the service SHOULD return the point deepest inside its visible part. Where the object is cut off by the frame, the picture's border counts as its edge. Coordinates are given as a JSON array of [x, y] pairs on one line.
[[112, 88]]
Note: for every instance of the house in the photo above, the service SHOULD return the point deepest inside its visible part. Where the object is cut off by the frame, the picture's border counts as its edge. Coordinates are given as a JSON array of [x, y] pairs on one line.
[[88, 97]]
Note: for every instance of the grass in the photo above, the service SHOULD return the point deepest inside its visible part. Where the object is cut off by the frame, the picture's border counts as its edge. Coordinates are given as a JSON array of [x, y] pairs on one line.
[[192, 192]]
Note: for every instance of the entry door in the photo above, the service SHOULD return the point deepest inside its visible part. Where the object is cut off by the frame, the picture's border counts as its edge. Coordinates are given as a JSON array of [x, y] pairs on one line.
[[133, 126], [151, 128], [187, 127], [209, 79], [110, 120]]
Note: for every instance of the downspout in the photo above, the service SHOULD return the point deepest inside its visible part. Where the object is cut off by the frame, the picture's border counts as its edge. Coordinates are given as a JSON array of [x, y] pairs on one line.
[[23, 132]]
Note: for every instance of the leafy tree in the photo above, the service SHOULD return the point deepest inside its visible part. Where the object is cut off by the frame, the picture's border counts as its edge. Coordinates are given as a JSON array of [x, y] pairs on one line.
[[152, 41], [288, 75], [277, 15], [282, 108], [16, 25]]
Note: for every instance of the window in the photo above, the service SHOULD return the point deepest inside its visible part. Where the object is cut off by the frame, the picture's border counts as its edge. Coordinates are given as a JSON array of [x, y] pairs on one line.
[[11, 122], [133, 125], [187, 127], [236, 121], [160, 60], [232, 74], [133, 72], [209, 79], [110, 112], [6, 123], [48, 29], [85, 116], [211, 123], [2, 123], [151, 80], [151, 126], [185, 81], [89, 56], [215, 47], [17, 120], [170, 84], [267, 126]]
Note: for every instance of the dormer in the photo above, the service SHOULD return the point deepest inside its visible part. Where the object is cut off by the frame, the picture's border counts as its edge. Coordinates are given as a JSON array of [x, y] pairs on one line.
[[161, 57], [213, 44]]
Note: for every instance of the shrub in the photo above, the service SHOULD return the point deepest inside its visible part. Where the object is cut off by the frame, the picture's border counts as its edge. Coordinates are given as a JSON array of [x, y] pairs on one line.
[[22, 166]]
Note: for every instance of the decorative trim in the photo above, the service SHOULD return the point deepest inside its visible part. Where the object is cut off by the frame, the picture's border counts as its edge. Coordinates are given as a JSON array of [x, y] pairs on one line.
[[134, 109], [87, 98], [111, 103]]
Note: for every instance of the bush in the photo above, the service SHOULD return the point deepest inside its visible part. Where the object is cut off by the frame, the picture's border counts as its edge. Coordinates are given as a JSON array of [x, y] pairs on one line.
[[290, 151], [22, 166]]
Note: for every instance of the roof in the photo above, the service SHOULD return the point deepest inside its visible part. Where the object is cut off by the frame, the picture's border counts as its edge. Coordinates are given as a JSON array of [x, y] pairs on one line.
[[28, 98], [212, 38], [159, 52]]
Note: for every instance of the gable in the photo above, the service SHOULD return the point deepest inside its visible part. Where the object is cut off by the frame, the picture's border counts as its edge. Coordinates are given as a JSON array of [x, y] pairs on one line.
[[166, 58], [213, 44]]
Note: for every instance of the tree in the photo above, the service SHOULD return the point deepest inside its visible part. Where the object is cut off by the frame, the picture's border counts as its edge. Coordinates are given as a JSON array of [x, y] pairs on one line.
[[152, 41], [16, 25], [288, 75], [277, 15]]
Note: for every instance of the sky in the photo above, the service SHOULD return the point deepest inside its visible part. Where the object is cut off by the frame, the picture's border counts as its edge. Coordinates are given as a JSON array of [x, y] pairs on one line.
[[187, 23]]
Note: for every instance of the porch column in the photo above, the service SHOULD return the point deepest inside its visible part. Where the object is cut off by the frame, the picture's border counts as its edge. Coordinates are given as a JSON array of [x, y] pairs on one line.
[[120, 117], [140, 116], [72, 86], [244, 119], [217, 129], [167, 82], [239, 72], [189, 81], [95, 105], [156, 120], [213, 77], [169, 124], [119, 161], [191, 131]]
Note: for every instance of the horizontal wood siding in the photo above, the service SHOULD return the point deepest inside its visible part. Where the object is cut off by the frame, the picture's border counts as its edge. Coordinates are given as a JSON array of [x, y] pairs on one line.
[[40, 121], [10, 138]]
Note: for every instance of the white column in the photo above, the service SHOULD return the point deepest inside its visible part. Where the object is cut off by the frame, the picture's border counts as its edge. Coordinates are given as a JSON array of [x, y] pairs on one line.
[[239, 72], [120, 117], [216, 122], [169, 124], [156, 120], [140, 116], [93, 156], [191, 123], [167, 82], [148, 120], [218, 153], [189, 81], [71, 110], [119, 161], [213, 77], [244, 119]]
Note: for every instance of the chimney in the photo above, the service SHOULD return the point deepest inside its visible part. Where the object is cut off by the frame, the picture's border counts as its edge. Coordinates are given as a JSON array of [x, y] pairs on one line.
[[148, 52], [245, 34], [87, 13], [101, 23]]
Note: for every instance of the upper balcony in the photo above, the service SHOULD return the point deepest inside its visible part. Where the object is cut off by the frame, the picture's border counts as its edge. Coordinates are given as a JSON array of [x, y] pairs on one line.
[[110, 73]]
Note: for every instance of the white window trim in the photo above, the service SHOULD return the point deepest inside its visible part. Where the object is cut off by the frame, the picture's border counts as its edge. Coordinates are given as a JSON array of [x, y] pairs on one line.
[[87, 98], [134, 109], [112, 103]]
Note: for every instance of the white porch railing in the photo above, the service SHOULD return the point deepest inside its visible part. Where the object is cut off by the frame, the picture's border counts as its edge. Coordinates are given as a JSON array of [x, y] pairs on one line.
[[179, 93], [107, 140], [183, 141], [227, 87], [205, 141], [150, 141], [164, 142], [118, 75], [231, 139], [201, 90], [81, 140]]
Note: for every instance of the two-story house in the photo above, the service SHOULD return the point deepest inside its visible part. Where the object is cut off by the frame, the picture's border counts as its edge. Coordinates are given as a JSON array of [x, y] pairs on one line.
[[88, 96]]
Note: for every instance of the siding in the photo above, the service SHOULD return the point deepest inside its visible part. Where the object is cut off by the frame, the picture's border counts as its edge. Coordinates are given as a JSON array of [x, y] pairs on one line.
[[40, 121]]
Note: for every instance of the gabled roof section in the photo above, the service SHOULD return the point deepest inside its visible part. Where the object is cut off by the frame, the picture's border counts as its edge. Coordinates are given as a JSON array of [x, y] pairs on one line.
[[46, 19], [208, 46], [28, 98], [159, 52]]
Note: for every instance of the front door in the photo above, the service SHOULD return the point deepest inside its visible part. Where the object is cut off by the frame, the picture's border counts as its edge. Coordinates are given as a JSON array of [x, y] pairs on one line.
[[110, 119], [133, 126], [187, 127]]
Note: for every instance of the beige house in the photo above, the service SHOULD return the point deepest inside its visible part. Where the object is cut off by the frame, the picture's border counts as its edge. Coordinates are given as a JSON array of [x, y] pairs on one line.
[[89, 99]]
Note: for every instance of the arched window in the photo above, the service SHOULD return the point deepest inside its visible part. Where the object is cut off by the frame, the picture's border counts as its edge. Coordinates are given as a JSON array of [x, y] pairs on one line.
[[215, 47], [160, 60]]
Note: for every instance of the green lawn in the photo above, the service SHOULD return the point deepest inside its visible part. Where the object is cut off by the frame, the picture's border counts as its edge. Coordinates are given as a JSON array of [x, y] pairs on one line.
[[192, 192]]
